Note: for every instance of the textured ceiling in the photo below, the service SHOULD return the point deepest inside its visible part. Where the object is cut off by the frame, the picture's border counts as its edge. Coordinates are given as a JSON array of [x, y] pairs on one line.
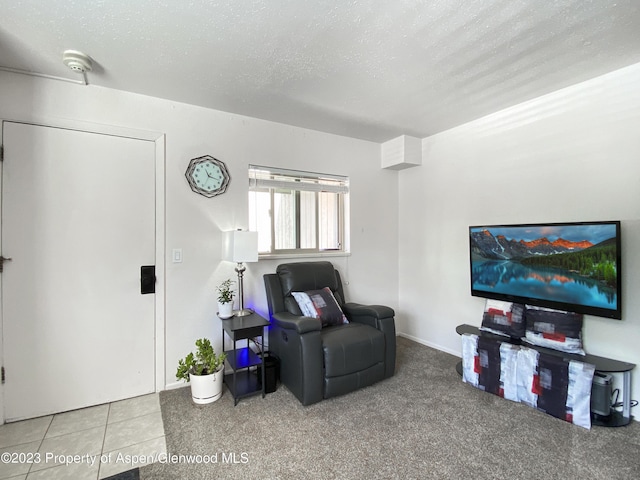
[[366, 69]]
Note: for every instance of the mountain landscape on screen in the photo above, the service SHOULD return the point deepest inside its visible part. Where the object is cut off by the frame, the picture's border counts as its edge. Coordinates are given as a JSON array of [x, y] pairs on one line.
[[499, 247], [572, 266]]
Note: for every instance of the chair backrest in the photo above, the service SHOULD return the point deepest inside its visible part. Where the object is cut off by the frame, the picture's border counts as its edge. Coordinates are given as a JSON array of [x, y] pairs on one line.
[[300, 277]]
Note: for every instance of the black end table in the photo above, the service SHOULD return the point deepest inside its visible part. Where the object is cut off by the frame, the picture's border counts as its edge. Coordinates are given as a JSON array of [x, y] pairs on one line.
[[242, 382]]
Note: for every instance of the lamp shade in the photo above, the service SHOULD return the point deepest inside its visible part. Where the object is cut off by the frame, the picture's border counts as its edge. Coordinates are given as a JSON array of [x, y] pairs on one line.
[[241, 246]]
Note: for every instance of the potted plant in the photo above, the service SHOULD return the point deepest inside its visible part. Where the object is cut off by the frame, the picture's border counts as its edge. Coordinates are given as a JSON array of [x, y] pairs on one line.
[[204, 371], [225, 299]]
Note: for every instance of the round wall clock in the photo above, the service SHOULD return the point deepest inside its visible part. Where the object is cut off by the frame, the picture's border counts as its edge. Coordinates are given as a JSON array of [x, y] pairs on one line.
[[207, 176]]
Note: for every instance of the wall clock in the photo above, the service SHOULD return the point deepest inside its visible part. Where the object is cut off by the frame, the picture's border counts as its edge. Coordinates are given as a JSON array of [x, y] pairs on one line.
[[207, 176]]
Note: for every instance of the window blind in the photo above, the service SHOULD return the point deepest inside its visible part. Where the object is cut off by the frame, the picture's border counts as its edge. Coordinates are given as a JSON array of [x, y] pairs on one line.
[[269, 177]]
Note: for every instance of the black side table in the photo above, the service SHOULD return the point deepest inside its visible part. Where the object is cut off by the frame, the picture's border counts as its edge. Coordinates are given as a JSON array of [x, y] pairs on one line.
[[241, 382]]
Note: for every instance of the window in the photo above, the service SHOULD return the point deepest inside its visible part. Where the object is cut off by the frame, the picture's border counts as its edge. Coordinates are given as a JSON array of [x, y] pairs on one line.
[[297, 212]]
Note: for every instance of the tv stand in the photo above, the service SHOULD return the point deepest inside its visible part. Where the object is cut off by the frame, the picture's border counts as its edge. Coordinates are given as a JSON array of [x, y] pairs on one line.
[[601, 364]]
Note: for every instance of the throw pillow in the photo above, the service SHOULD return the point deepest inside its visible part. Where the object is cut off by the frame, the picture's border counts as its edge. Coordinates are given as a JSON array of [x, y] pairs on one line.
[[320, 304], [504, 318], [554, 329]]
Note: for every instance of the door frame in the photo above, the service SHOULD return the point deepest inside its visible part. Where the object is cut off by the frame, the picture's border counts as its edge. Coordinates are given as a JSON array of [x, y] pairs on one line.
[[159, 140]]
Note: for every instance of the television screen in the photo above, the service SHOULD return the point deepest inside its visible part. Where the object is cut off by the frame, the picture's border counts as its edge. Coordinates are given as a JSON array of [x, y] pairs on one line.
[[566, 266]]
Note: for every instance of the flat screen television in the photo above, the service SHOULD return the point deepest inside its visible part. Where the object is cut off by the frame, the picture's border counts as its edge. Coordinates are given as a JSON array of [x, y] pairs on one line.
[[565, 266]]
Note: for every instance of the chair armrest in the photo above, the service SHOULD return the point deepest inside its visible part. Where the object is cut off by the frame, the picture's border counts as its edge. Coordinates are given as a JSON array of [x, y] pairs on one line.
[[289, 321], [368, 314]]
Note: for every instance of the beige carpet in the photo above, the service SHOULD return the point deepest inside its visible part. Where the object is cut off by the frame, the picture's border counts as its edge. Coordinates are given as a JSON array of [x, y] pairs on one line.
[[423, 423]]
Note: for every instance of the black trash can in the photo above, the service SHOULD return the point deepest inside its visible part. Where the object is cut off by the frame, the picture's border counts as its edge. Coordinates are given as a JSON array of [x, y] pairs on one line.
[[271, 372]]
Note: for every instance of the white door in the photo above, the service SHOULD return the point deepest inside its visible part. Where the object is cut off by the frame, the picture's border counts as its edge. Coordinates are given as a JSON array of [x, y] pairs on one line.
[[78, 222]]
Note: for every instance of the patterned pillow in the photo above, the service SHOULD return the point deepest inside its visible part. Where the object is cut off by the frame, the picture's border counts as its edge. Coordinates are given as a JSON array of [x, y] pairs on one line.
[[504, 318], [554, 329], [320, 304]]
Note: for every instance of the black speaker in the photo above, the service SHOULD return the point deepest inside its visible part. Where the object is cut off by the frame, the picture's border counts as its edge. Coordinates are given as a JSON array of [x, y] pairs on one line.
[[271, 372], [601, 394]]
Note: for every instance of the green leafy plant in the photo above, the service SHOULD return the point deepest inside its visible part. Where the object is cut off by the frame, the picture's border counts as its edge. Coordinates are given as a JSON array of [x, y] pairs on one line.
[[225, 293], [204, 362]]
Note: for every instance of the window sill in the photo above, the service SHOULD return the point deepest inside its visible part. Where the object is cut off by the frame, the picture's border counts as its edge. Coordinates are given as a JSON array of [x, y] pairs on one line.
[[271, 256]]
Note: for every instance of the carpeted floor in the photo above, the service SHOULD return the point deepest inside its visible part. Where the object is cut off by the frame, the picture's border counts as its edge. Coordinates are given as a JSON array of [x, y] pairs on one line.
[[423, 423], [133, 474]]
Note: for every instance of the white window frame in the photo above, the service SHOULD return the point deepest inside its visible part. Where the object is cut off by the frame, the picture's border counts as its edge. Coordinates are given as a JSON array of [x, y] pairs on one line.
[[270, 180]]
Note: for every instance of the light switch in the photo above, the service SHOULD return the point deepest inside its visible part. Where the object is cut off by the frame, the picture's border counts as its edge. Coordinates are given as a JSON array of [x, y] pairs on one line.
[[177, 255]]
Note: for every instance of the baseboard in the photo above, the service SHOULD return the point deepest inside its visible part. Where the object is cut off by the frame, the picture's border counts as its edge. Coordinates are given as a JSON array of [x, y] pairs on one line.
[[430, 344], [173, 386]]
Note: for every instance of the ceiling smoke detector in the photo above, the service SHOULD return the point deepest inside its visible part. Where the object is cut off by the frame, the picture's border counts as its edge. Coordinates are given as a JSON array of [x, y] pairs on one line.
[[77, 61]]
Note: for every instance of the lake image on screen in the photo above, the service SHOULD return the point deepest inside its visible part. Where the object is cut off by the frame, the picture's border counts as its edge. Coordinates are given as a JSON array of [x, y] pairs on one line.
[[568, 264]]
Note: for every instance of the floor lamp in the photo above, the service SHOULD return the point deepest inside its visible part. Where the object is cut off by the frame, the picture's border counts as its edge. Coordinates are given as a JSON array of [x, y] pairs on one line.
[[242, 248]]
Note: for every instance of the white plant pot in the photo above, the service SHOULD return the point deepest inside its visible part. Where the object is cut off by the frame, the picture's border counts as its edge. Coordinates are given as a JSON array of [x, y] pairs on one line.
[[225, 310], [206, 388]]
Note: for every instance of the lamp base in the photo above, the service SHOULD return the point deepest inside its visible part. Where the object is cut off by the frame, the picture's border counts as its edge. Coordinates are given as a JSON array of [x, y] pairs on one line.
[[243, 313]]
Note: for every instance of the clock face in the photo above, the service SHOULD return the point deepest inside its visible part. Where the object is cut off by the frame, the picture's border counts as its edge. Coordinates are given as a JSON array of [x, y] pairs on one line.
[[207, 176]]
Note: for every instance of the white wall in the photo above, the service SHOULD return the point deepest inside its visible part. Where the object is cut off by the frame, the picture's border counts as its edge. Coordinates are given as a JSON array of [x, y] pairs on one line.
[[573, 155], [194, 223]]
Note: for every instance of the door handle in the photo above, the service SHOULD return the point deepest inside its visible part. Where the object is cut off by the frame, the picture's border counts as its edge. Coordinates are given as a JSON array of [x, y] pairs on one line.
[[147, 279], [2, 260]]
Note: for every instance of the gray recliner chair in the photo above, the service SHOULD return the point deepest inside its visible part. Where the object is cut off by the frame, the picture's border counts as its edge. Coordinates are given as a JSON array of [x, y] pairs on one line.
[[321, 362]]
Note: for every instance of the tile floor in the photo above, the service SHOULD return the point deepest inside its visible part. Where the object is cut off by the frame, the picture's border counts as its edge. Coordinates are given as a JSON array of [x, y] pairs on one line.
[[91, 443]]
